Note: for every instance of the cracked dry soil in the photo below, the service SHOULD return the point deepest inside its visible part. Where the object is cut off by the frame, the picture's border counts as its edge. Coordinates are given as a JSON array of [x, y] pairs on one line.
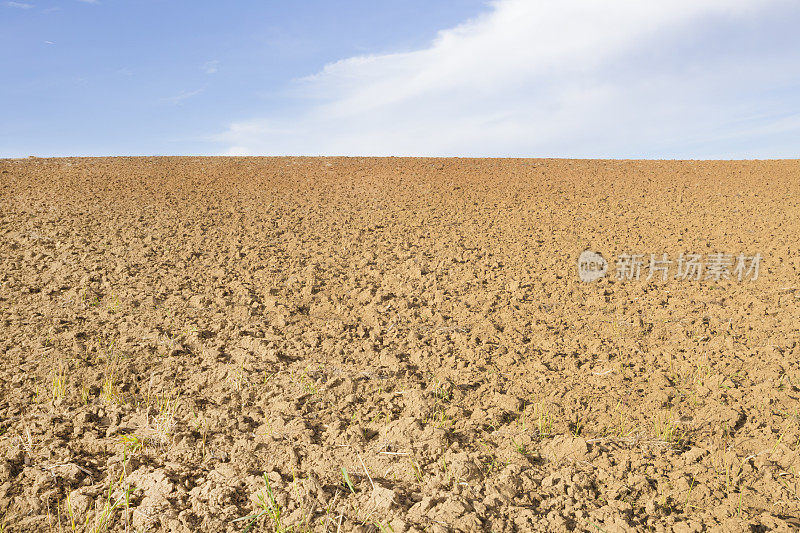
[[394, 344]]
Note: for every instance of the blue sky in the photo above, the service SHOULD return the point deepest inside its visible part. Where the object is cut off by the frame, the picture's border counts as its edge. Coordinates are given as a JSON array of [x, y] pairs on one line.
[[575, 78]]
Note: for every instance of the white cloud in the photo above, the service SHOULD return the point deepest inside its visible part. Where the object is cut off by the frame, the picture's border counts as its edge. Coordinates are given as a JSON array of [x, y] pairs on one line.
[[181, 97], [210, 67], [540, 78], [19, 5]]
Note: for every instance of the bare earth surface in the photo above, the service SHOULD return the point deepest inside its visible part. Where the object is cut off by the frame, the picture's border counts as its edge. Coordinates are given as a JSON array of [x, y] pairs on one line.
[[356, 344]]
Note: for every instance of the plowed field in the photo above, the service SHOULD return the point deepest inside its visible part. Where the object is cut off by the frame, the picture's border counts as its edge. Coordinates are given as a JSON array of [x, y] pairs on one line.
[[393, 344]]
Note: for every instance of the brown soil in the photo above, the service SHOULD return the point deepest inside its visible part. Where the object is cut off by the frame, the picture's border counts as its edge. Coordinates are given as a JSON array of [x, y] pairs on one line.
[[174, 331]]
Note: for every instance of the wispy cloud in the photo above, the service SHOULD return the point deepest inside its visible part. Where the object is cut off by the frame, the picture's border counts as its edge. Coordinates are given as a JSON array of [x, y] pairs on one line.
[[542, 78], [18, 5], [181, 97], [210, 67]]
